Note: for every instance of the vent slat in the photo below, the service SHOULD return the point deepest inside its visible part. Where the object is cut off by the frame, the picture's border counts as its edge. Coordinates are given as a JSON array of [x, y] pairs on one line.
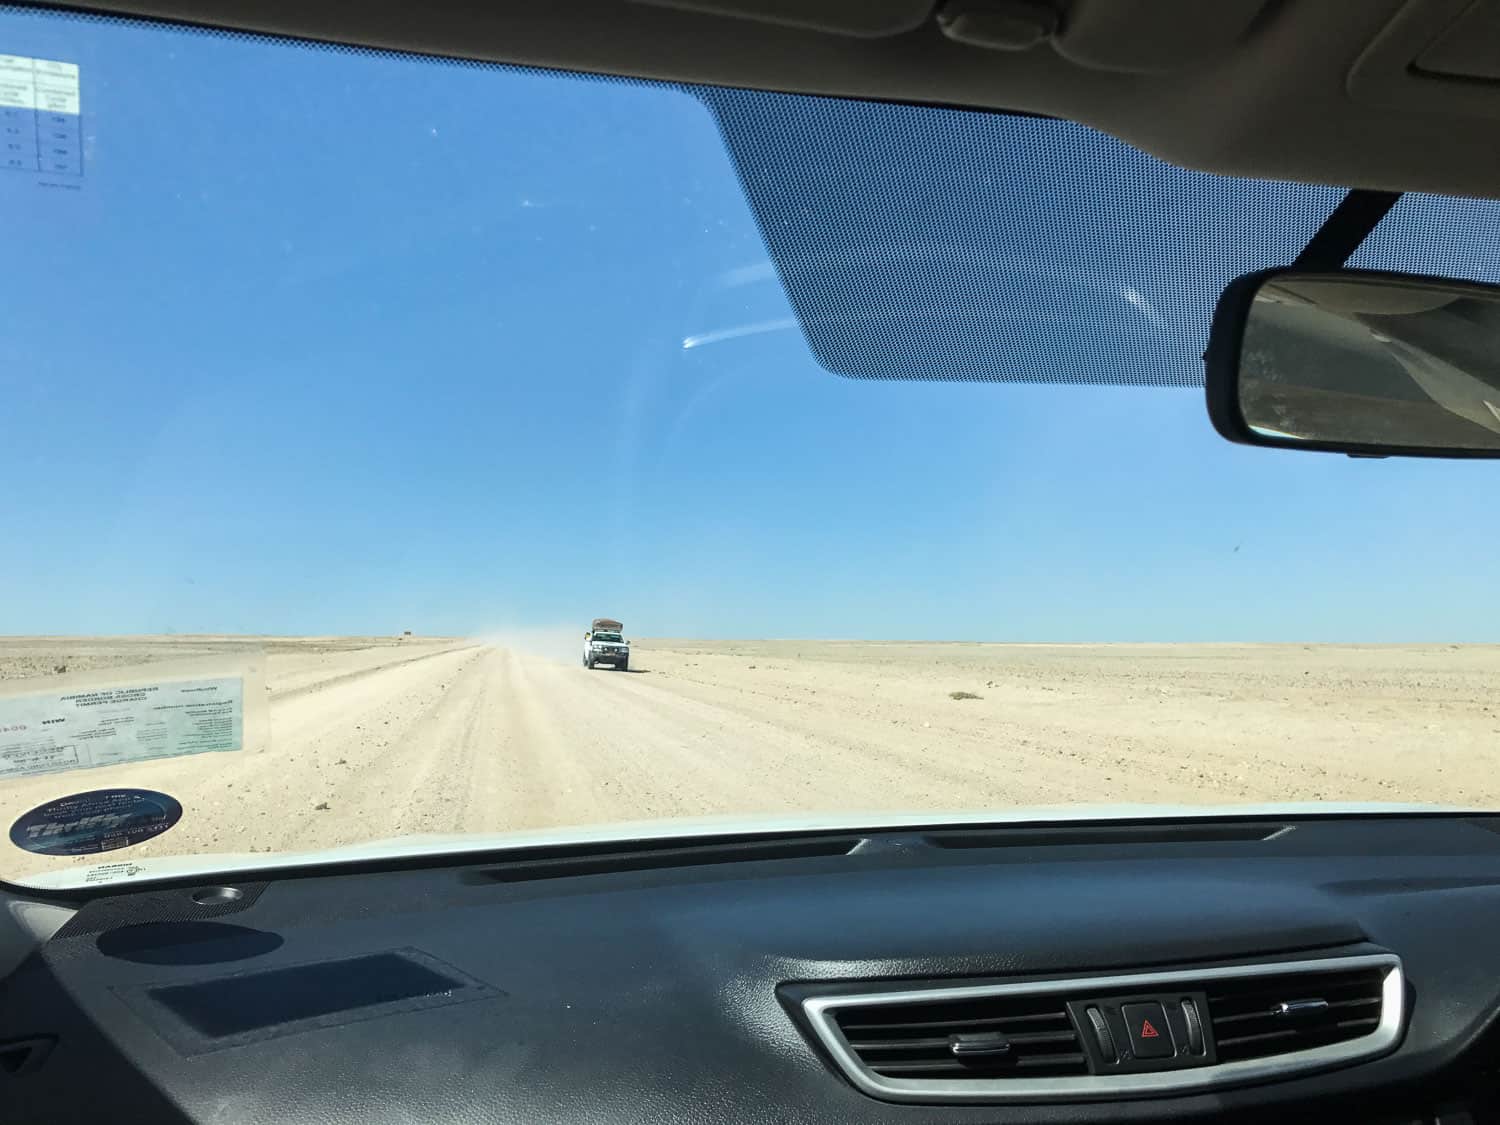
[[1246, 1026], [1296, 985], [1331, 1032], [1266, 1013], [1059, 1019], [1072, 1061], [1017, 1041], [1267, 1002]]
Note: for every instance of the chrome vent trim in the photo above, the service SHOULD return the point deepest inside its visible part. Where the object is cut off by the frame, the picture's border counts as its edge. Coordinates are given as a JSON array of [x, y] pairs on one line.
[[821, 1012]]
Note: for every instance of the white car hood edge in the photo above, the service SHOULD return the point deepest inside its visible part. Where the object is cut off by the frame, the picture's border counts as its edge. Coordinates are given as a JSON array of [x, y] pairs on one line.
[[119, 867]]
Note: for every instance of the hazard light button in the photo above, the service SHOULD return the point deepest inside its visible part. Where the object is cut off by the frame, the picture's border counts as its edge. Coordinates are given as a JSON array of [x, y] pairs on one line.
[[1150, 1037]]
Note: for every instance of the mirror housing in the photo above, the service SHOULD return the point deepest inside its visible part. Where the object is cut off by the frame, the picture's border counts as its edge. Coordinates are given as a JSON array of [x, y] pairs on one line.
[[1361, 362]]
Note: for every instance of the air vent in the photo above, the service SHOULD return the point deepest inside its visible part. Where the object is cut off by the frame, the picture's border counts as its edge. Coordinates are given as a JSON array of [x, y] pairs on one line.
[[987, 1037], [1030, 1041], [1263, 1016]]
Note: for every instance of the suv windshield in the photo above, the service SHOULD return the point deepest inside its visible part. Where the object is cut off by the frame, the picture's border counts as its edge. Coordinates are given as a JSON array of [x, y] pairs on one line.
[[906, 491]]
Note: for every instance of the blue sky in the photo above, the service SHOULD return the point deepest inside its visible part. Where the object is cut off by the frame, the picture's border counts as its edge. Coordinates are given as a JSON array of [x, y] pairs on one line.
[[340, 343]]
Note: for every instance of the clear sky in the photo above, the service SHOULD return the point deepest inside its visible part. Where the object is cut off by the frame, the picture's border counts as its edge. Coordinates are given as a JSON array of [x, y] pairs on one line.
[[332, 343]]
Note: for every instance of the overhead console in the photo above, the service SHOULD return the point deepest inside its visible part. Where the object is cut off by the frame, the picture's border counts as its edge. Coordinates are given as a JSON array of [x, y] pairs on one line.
[[1376, 94], [1434, 56]]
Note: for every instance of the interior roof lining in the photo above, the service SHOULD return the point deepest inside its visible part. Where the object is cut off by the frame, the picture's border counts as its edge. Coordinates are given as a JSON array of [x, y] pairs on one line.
[[1278, 105]]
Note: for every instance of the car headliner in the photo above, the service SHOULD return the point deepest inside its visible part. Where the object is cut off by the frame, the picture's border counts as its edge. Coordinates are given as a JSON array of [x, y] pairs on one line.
[[1383, 93]]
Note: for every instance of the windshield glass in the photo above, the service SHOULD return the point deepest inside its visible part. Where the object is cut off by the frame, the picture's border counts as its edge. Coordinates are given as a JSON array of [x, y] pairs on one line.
[[906, 488]]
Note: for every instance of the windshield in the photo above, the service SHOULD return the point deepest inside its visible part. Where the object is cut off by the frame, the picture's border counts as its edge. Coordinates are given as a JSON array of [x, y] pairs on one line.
[[897, 465]]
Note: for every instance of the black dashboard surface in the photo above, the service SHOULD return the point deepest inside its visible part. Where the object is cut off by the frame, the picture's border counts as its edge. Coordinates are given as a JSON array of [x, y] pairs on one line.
[[559, 988]]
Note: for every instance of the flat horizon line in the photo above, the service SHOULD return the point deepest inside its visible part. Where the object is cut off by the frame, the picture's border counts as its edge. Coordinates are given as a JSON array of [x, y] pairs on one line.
[[500, 640]]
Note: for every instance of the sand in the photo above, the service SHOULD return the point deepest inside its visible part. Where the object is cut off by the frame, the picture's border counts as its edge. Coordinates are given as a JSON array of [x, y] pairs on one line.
[[379, 737]]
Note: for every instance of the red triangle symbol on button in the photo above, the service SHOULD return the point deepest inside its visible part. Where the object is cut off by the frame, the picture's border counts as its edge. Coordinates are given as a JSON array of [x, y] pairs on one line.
[[1149, 1032]]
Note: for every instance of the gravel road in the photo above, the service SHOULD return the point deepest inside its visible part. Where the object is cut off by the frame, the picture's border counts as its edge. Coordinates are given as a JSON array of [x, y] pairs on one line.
[[377, 739]]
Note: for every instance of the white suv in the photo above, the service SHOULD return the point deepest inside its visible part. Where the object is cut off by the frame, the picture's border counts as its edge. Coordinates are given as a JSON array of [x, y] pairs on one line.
[[604, 644]]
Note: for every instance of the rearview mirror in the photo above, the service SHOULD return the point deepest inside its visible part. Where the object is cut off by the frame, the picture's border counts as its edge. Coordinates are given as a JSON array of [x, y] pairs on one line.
[[1357, 362]]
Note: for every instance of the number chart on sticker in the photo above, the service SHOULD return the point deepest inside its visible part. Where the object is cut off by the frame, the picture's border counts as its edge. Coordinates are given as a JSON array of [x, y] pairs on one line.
[[41, 116]]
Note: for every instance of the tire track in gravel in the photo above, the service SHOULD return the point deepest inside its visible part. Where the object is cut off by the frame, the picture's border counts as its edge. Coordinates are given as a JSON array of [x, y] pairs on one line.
[[843, 763]]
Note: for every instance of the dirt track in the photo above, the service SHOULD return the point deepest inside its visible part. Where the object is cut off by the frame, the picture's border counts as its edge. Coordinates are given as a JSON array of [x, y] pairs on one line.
[[454, 736]]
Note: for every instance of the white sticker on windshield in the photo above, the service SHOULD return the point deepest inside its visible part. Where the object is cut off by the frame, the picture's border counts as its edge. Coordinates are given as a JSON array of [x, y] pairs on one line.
[[102, 726], [108, 872], [41, 116]]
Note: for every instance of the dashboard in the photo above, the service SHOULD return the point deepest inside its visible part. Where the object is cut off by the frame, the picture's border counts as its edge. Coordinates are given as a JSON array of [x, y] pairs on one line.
[[1339, 968]]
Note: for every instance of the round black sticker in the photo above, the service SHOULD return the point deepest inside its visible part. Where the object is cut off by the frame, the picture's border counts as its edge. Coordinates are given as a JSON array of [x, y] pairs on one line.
[[98, 821]]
